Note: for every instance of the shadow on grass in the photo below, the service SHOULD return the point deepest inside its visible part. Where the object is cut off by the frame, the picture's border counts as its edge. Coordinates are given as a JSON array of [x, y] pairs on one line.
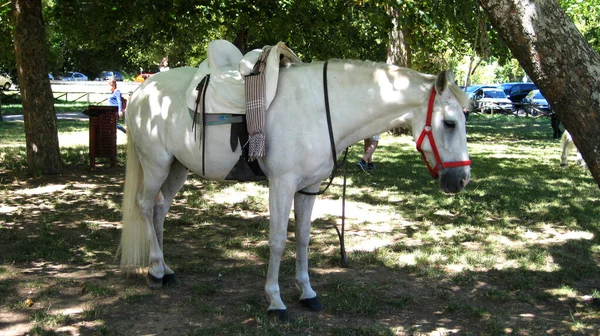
[[58, 236]]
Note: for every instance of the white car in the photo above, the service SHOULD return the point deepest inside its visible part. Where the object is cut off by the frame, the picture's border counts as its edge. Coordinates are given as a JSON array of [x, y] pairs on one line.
[[5, 82], [488, 99]]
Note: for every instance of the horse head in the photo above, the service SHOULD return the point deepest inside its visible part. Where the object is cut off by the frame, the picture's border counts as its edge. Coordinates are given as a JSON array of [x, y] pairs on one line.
[[440, 132]]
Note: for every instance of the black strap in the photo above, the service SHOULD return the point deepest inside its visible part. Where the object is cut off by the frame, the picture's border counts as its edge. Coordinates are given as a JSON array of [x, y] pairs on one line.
[[204, 88], [331, 139], [201, 88], [243, 138], [335, 169]]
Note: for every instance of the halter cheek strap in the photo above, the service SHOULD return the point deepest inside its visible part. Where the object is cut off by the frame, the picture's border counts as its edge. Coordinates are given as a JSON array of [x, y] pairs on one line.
[[427, 132]]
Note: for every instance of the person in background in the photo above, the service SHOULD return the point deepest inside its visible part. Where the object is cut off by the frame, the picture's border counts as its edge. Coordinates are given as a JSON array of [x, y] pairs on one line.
[[555, 124], [366, 163], [116, 99], [164, 64]]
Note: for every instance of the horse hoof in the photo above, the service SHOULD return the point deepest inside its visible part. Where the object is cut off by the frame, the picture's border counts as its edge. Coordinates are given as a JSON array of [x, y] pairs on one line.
[[154, 282], [170, 280], [313, 304], [563, 164], [280, 314]]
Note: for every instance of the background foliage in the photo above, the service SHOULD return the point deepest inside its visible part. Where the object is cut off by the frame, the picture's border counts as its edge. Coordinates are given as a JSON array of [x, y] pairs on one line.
[[135, 35]]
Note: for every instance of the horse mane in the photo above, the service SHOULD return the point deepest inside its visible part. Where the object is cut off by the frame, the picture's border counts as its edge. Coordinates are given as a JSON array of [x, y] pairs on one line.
[[460, 95]]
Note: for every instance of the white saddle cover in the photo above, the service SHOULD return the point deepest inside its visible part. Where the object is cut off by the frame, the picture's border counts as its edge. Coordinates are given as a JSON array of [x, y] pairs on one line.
[[227, 68]]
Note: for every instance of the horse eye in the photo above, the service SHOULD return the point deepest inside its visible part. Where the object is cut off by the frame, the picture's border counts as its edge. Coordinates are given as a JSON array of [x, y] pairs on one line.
[[449, 124]]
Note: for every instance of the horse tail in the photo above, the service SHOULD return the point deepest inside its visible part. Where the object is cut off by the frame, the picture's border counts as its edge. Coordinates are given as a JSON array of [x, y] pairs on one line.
[[134, 247]]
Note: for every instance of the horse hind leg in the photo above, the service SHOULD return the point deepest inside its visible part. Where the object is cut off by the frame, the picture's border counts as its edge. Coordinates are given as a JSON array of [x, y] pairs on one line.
[[154, 176], [566, 143], [170, 187]]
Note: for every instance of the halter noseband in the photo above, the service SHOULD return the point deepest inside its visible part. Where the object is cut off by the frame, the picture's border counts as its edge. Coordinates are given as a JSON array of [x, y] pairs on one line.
[[427, 132]]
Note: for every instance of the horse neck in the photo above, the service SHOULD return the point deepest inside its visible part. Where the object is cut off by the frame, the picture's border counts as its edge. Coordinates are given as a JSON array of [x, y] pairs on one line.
[[367, 98]]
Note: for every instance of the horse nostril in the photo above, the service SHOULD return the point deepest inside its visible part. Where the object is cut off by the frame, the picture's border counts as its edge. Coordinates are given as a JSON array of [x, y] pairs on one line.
[[463, 183]]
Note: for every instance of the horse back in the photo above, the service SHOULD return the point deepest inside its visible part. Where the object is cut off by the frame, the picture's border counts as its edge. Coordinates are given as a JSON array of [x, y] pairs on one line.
[[160, 124]]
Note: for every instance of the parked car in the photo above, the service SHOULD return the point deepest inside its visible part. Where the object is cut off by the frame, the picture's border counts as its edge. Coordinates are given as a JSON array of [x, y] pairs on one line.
[[488, 99], [73, 76], [5, 82], [50, 76], [517, 91], [472, 88], [107, 75], [535, 103], [143, 76]]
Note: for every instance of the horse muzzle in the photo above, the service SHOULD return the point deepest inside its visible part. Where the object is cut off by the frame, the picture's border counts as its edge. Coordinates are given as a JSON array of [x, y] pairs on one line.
[[453, 180]]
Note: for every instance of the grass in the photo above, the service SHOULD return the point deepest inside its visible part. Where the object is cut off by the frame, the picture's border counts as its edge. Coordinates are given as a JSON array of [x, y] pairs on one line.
[[73, 135], [59, 107], [517, 252]]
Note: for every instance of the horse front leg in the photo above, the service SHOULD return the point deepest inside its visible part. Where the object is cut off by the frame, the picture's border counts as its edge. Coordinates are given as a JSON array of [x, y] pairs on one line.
[[280, 204], [303, 206]]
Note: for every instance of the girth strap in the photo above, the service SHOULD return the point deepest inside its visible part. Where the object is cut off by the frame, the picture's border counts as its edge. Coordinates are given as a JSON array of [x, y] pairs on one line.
[[243, 170], [200, 99]]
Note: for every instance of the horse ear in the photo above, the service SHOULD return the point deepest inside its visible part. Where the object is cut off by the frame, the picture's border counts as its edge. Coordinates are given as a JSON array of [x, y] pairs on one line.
[[445, 77]]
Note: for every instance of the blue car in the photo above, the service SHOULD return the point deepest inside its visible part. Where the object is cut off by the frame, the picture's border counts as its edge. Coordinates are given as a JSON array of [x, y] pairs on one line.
[[535, 103], [73, 76]]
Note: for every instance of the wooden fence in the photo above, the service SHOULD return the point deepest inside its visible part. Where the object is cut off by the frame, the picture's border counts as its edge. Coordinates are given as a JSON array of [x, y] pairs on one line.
[[96, 93]]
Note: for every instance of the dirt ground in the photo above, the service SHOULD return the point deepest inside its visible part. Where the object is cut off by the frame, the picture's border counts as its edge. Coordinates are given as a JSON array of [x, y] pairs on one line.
[[223, 296]]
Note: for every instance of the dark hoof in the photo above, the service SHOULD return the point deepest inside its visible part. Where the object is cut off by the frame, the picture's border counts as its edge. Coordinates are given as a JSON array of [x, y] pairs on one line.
[[170, 280], [280, 314], [313, 304], [154, 282], [563, 164], [596, 302]]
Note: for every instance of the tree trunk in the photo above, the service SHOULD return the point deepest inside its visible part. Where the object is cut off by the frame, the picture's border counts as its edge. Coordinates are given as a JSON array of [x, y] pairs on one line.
[[241, 39], [398, 51], [558, 59], [43, 154]]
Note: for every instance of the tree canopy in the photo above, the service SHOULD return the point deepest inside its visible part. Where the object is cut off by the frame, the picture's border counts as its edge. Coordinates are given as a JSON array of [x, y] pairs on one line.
[[91, 36]]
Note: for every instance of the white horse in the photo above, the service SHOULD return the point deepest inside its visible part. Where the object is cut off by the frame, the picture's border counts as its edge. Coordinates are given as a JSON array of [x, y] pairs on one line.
[[365, 98], [567, 144]]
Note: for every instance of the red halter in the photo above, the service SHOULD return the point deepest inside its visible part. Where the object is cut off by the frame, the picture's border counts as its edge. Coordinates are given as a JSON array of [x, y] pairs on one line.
[[427, 132]]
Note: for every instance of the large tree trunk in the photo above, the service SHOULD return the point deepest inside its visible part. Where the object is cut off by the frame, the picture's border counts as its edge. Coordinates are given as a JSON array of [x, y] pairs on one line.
[[398, 51], [558, 59], [241, 39], [43, 155]]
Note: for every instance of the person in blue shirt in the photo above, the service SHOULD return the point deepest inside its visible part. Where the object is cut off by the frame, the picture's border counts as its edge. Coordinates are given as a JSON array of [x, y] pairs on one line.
[[115, 99]]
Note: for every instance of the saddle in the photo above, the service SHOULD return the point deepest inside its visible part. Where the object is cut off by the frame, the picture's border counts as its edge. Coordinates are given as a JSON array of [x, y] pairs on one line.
[[229, 87], [227, 69]]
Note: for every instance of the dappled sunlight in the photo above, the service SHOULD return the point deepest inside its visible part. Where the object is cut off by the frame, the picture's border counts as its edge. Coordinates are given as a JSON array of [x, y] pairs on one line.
[[83, 138], [40, 190], [516, 251]]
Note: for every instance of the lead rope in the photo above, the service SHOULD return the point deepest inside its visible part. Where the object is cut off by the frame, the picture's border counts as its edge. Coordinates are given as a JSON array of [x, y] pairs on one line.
[[335, 169]]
